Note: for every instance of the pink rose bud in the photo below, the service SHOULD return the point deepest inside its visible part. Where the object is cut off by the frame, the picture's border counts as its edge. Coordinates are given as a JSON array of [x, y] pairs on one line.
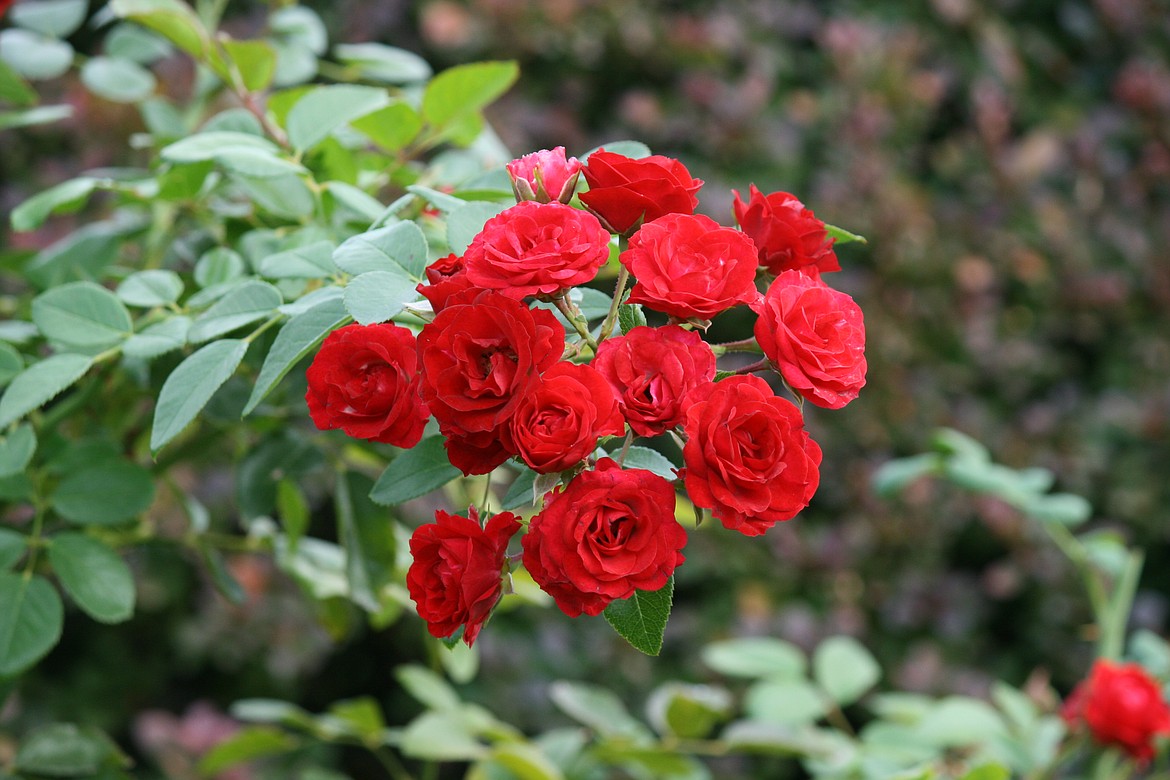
[[544, 176]]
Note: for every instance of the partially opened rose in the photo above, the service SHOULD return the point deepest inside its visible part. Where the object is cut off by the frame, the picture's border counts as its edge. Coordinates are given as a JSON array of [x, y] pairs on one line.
[[445, 277], [608, 533], [691, 267], [365, 380], [748, 457], [456, 571], [1121, 705], [815, 336], [787, 235], [537, 249], [626, 192], [544, 176]]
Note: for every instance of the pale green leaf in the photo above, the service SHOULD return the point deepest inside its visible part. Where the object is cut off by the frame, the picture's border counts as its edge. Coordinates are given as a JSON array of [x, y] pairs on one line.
[[427, 687], [256, 163], [64, 750], [299, 336], [597, 708], [206, 146], [104, 493], [357, 200], [414, 472], [247, 744], [762, 657], [131, 42], [376, 296], [391, 127], [251, 301], [40, 383], [217, 266], [121, 81], [399, 248], [191, 385], [327, 108], [648, 459], [150, 288], [94, 575], [56, 18], [383, 63], [301, 24], [845, 669], [31, 615], [173, 19], [82, 314], [16, 449], [33, 55], [41, 115], [158, 339], [465, 223], [68, 196], [785, 702], [314, 261]]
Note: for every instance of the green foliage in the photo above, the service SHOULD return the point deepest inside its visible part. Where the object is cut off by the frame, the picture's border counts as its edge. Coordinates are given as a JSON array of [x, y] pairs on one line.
[[641, 619]]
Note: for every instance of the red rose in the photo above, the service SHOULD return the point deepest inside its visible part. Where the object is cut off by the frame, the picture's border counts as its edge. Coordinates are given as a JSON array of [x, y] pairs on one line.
[[445, 277], [1122, 705], [624, 191], [537, 249], [652, 370], [365, 381], [691, 267], [558, 422], [456, 572], [475, 453], [544, 176], [748, 457], [481, 354], [815, 336], [607, 534], [787, 235]]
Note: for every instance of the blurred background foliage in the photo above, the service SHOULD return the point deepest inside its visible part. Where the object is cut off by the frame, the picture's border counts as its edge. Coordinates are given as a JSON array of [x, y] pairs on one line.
[[1009, 162]]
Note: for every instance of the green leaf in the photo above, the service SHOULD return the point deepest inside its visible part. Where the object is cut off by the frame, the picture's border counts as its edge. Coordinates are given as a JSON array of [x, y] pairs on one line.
[[688, 711], [221, 577], [158, 339], [248, 744], [988, 772], [40, 383], [257, 163], [35, 56], [441, 736], [299, 336], [12, 547], [1020, 710], [131, 42], [64, 750], [648, 459], [956, 721], [892, 477], [11, 363], [191, 385], [439, 200], [1061, 508], [641, 619], [635, 150], [217, 266], [762, 657], [14, 89], [399, 248], [287, 197], [314, 261], [427, 687], [376, 296], [251, 301], [415, 472], [293, 510], [104, 493], [791, 702], [94, 575], [82, 314], [524, 761], [357, 200], [845, 669], [16, 450], [465, 223], [383, 63], [391, 127], [173, 19], [56, 18], [361, 717], [255, 61], [41, 115], [357, 575], [203, 147], [520, 492], [150, 288], [597, 708], [630, 316], [466, 89], [121, 81], [66, 197], [324, 109], [843, 236], [301, 24], [30, 621]]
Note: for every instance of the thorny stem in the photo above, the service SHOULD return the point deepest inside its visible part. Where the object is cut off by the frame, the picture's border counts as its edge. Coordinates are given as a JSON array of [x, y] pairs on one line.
[[751, 368], [746, 345], [611, 317], [565, 307]]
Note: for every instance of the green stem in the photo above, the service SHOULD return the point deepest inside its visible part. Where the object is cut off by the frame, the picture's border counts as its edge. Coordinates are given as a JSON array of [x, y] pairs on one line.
[[391, 764], [752, 368], [611, 317], [1111, 643], [565, 306], [1075, 552], [746, 345], [275, 318]]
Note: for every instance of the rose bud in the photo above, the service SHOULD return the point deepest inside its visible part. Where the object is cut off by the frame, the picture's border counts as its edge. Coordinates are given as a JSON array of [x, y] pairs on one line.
[[544, 176]]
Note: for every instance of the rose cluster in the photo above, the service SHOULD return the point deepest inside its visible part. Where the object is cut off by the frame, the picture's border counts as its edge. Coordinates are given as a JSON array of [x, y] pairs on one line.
[[505, 377]]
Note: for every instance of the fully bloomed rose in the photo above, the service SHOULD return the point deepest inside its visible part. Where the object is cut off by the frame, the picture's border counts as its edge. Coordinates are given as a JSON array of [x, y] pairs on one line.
[[544, 176], [537, 249], [748, 457], [558, 422], [1121, 705], [652, 370], [607, 534], [482, 353], [691, 267], [445, 277], [456, 570], [626, 192], [815, 336], [787, 235], [365, 381]]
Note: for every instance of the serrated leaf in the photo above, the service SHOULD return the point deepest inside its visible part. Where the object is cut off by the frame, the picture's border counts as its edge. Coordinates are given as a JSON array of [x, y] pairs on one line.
[[399, 248], [16, 449], [376, 296], [63, 198], [203, 147], [40, 383], [415, 472], [56, 18], [82, 314], [466, 222], [158, 339], [521, 491], [12, 547], [31, 616], [641, 619], [439, 200], [94, 575], [466, 89], [387, 64], [11, 363], [845, 669], [314, 261], [104, 493], [255, 61], [33, 55], [251, 301], [148, 289], [324, 109], [172, 19], [630, 316], [218, 266], [649, 460], [191, 385], [755, 657], [299, 336], [391, 127], [256, 163], [120, 81], [357, 200]]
